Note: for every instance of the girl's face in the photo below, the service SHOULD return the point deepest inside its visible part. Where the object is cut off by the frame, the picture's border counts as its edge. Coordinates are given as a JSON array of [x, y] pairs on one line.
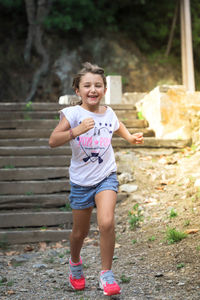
[[91, 90]]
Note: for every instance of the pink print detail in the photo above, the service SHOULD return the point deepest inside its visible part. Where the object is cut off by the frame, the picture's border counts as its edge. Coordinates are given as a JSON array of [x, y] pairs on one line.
[[89, 141], [85, 141]]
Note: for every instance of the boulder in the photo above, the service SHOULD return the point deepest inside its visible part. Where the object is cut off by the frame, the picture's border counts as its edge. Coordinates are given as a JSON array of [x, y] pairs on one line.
[[168, 111]]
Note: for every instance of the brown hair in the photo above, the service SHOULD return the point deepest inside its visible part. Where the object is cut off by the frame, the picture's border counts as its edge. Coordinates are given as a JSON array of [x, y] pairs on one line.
[[88, 68]]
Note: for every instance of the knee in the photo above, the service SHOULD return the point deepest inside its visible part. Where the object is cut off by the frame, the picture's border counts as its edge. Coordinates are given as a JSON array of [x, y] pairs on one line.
[[79, 234], [107, 226]]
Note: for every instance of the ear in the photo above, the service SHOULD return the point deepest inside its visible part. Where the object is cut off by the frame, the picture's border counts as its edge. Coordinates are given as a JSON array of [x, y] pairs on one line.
[[105, 91], [77, 92]]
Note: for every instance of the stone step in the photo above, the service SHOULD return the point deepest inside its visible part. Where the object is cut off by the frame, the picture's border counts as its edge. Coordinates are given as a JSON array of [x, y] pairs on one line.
[[33, 187], [39, 173], [38, 219], [33, 236], [40, 106], [34, 161], [33, 134], [40, 201], [42, 133], [45, 141], [8, 125], [36, 235], [55, 115], [151, 142], [43, 150], [33, 201], [22, 133]]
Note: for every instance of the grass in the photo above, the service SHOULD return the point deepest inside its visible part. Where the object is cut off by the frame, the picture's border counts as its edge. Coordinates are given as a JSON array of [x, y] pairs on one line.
[[140, 116], [125, 279], [9, 167], [180, 266], [152, 238], [135, 216], [187, 223], [29, 193], [66, 207], [174, 236], [4, 245], [29, 106], [173, 213]]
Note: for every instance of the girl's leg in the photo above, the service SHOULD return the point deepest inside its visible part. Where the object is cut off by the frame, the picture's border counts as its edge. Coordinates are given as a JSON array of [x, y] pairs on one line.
[[105, 202], [80, 229]]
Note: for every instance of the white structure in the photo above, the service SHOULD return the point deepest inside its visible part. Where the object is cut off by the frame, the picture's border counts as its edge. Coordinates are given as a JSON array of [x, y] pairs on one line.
[[114, 90], [186, 46]]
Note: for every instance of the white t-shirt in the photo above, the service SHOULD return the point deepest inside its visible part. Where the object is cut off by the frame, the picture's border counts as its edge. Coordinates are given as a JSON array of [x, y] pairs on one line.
[[92, 153]]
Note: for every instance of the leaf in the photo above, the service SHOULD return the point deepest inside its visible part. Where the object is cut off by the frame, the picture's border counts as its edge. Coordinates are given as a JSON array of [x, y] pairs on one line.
[[191, 231], [57, 246], [43, 246], [10, 253], [28, 248], [11, 292]]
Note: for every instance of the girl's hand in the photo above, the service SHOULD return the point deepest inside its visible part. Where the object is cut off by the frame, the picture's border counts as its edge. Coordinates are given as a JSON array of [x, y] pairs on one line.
[[137, 138], [86, 125]]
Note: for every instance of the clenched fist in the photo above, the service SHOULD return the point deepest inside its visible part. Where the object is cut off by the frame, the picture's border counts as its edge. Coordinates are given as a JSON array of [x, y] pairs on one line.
[[86, 125]]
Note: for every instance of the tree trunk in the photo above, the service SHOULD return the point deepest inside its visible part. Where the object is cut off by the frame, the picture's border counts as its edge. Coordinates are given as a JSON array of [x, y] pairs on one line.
[[35, 34], [30, 11], [169, 44]]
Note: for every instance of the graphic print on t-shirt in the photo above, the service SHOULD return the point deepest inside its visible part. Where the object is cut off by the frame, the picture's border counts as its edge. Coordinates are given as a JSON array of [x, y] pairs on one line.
[[96, 142]]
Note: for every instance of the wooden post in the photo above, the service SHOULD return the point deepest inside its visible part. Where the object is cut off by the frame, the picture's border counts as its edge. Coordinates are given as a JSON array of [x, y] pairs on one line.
[[186, 46]]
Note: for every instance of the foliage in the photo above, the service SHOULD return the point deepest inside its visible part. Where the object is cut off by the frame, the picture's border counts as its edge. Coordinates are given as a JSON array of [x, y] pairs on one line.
[[125, 279], [174, 236], [11, 4], [135, 216], [173, 213], [66, 207], [146, 21], [180, 266]]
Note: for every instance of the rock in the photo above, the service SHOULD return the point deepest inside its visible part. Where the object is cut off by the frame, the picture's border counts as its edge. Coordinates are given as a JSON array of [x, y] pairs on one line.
[[126, 161], [128, 188], [125, 178], [40, 266], [197, 182], [166, 110], [18, 260]]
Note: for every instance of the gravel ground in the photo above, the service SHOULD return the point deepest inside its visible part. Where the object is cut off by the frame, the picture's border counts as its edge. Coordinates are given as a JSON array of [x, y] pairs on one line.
[[146, 264]]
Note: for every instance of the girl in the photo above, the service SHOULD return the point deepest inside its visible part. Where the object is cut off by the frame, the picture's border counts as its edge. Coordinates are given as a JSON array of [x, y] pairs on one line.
[[89, 128]]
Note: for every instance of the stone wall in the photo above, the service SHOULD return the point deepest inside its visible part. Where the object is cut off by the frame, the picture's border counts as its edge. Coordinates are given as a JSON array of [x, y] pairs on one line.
[[172, 112]]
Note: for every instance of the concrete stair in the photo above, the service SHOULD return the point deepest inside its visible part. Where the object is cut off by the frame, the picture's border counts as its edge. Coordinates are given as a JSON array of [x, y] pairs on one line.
[[34, 181]]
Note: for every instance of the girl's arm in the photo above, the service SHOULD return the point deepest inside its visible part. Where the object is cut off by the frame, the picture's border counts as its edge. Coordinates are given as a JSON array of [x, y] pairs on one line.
[[136, 138], [63, 132]]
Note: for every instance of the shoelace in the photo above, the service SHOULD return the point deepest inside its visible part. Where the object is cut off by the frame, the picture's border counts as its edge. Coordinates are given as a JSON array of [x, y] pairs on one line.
[[76, 271], [108, 276]]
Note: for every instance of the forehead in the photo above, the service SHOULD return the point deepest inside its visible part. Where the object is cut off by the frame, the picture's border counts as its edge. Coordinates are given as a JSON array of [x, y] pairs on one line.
[[91, 78]]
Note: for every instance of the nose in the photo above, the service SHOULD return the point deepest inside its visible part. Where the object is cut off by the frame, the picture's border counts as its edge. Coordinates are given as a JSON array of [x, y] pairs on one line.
[[93, 88]]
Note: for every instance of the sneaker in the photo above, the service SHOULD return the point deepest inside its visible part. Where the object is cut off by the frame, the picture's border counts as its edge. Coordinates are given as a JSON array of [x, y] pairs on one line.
[[76, 277], [108, 284]]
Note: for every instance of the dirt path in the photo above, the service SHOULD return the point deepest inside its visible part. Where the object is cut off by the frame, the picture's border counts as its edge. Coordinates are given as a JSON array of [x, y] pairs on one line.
[[147, 265]]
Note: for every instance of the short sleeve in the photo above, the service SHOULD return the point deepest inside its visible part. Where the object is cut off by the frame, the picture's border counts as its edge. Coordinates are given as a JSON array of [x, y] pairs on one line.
[[69, 114], [115, 120]]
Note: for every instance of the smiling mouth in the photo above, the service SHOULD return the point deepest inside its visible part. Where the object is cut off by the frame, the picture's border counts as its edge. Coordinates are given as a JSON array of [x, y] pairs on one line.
[[92, 97]]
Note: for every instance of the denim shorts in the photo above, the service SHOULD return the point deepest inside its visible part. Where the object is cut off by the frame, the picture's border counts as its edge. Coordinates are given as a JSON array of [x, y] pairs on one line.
[[82, 197]]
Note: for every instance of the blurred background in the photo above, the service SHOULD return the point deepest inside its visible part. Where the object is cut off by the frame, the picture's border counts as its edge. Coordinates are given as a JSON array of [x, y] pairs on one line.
[[44, 43]]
